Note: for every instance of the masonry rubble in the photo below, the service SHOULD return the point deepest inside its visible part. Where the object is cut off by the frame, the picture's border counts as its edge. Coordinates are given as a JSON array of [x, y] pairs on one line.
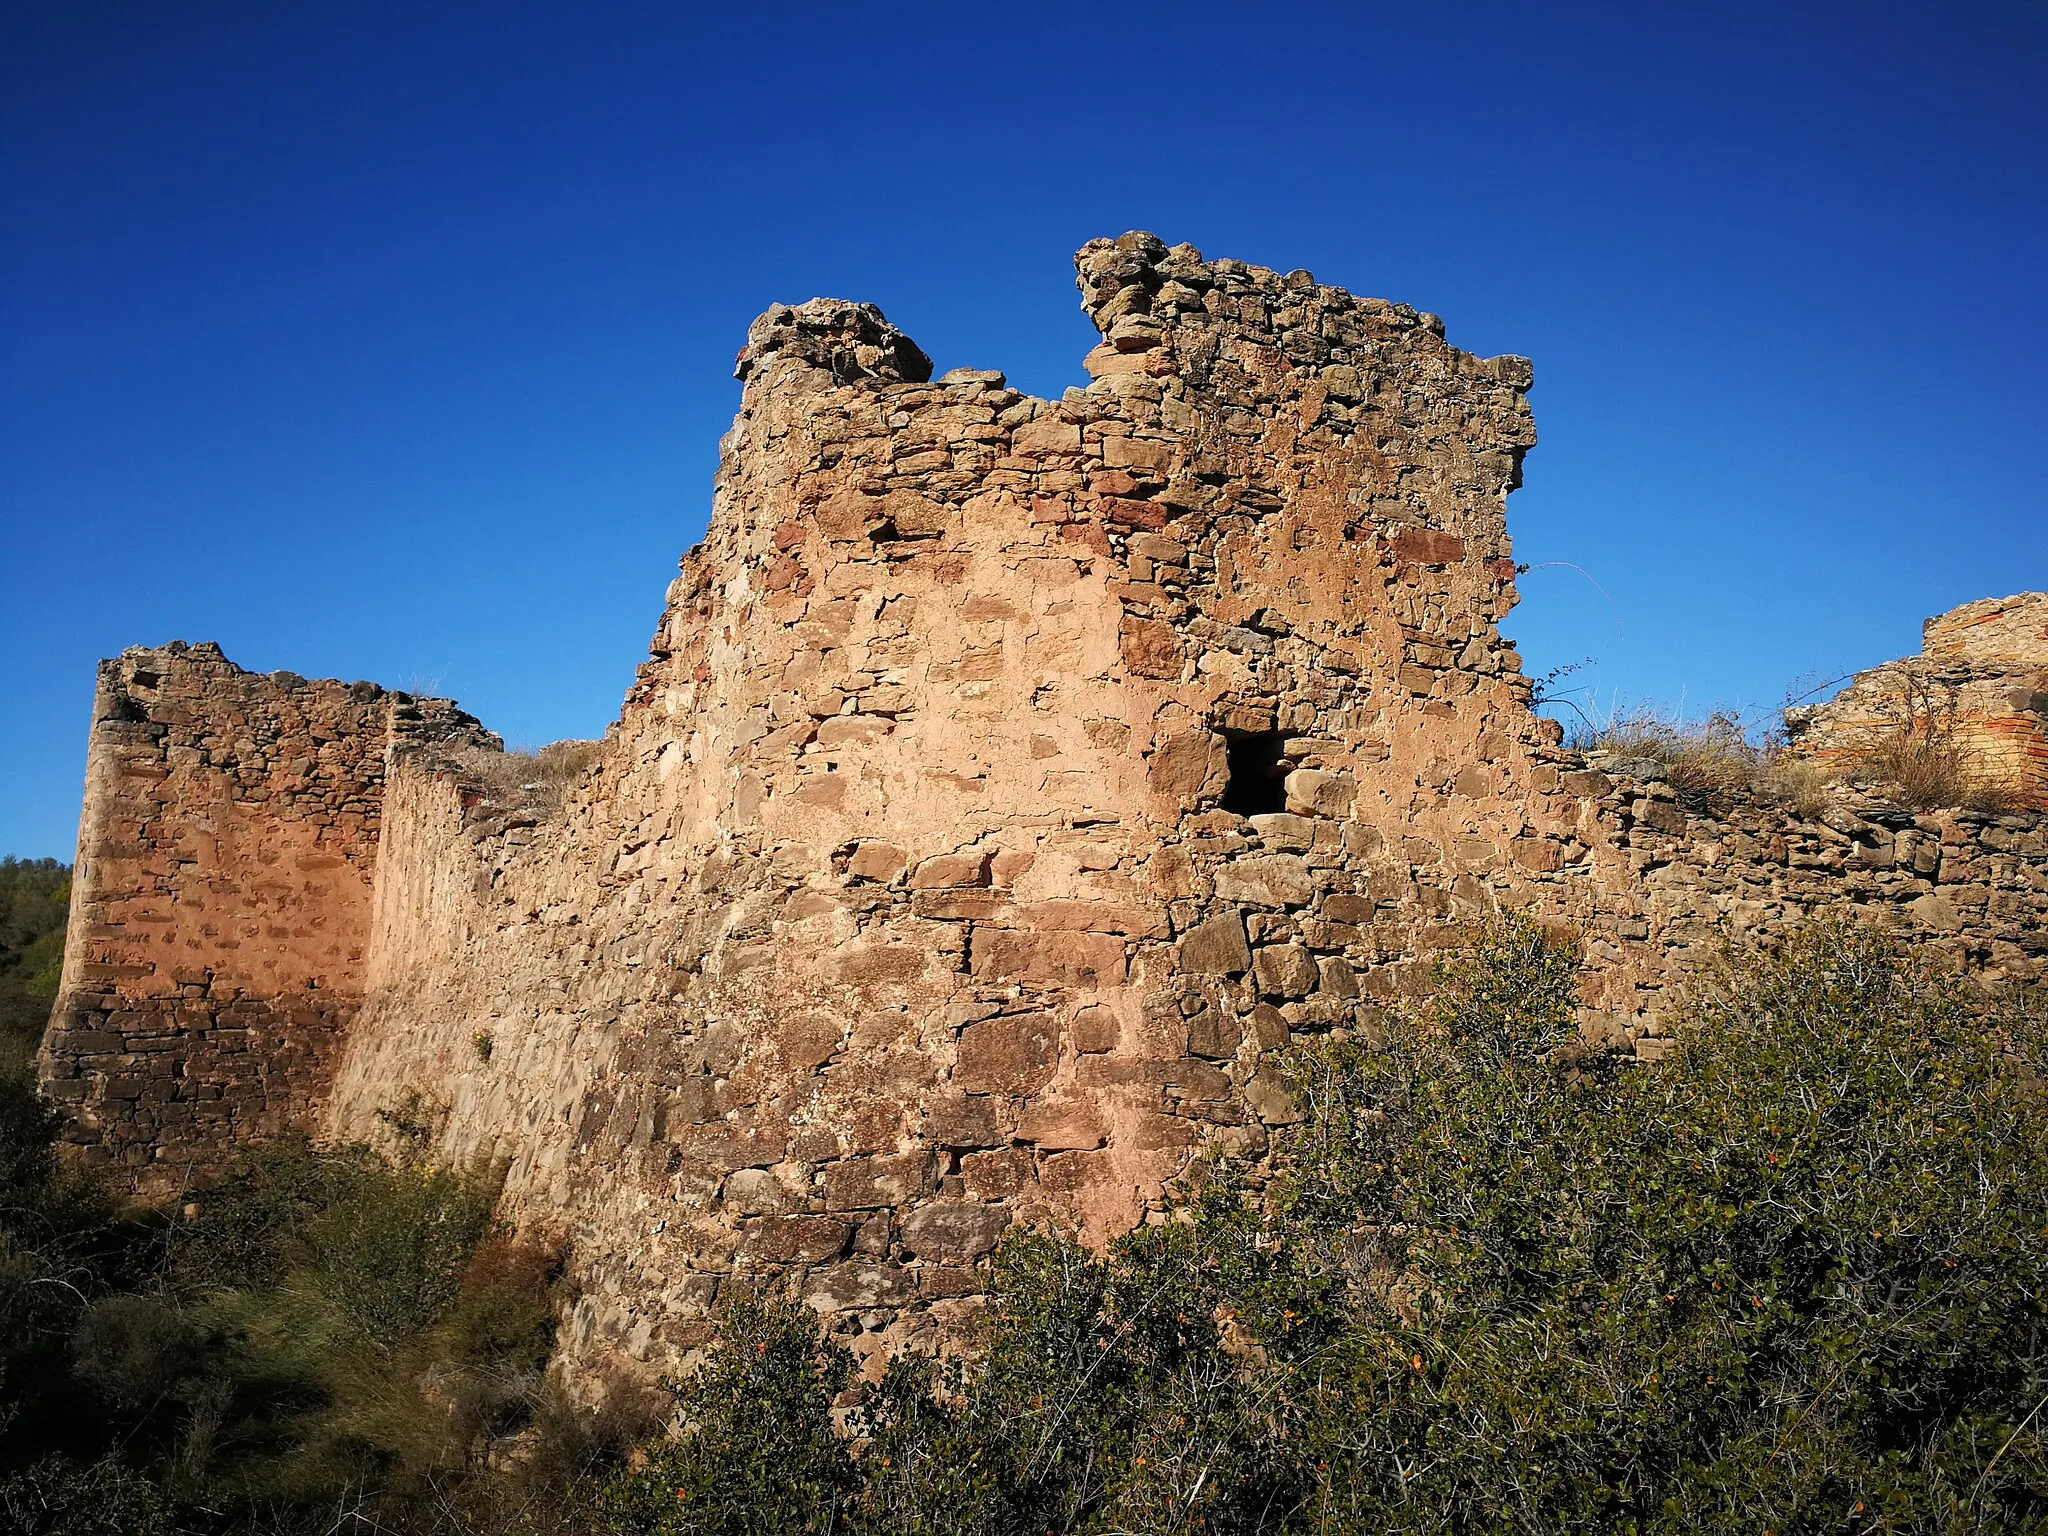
[[1979, 688], [1007, 777]]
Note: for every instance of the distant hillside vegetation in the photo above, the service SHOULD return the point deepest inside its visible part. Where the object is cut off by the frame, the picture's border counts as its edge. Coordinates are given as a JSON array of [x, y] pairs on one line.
[[35, 897]]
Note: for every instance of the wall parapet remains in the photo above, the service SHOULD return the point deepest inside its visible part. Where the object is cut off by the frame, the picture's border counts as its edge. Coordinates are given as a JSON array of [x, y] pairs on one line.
[[1972, 705]]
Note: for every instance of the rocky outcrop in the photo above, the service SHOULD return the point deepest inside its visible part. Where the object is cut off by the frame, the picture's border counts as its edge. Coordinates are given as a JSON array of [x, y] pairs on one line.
[[1007, 776]]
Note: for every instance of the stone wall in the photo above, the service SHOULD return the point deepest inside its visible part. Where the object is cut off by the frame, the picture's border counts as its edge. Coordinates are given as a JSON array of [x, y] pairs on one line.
[[220, 902], [1977, 692], [1007, 776]]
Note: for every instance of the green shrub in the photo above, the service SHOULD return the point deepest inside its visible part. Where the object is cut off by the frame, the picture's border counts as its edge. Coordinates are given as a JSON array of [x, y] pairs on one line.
[[320, 1333], [389, 1246], [356, 1340], [35, 897], [926, 1468], [28, 1146], [136, 1351], [503, 1314], [756, 1453], [245, 1230], [1790, 1278]]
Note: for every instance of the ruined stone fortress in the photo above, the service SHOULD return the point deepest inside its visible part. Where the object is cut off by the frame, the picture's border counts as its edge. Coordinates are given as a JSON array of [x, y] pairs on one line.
[[1005, 778]]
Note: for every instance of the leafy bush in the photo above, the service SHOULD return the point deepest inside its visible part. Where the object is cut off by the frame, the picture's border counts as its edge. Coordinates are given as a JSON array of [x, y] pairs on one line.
[[757, 1451], [503, 1312], [359, 1337], [137, 1351], [322, 1333], [28, 1144], [389, 1248], [1792, 1276], [1790, 1279]]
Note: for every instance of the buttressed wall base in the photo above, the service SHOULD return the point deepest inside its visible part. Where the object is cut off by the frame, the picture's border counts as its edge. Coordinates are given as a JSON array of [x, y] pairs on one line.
[[1006, 776]]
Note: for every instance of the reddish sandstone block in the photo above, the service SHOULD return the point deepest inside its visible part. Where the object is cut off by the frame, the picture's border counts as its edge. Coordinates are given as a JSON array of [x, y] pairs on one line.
[[1014, 1055], [1055, 1127], [867, 1183], [1216, 947], [998, 1175], [1072, 959], [1151, 648], [797, 1240], [1428, 546]]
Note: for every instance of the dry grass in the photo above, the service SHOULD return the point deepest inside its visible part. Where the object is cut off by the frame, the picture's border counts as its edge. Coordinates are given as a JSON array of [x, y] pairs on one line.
[[1713, 755], [1706, 755], [1921, 757], [1796, 783], [541, 777], [1923, 767], [1919, 762]]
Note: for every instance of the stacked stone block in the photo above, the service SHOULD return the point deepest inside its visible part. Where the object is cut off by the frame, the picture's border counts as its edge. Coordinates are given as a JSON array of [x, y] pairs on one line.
[[1978, 691]]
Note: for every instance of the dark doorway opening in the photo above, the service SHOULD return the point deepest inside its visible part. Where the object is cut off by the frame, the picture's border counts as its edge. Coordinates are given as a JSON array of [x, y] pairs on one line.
[[1258, 772]]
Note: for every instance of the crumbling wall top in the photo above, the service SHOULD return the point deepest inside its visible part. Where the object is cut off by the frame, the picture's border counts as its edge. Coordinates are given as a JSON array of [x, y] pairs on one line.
[[849, 341], [2008, 633], [1137, 290]]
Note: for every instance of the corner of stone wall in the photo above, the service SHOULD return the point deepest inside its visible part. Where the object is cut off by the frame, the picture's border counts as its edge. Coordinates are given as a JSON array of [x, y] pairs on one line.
[[221, 902]]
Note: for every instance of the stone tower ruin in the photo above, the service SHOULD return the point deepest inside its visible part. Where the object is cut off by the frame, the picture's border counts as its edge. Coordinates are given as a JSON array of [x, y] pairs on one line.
[[1005, 778]]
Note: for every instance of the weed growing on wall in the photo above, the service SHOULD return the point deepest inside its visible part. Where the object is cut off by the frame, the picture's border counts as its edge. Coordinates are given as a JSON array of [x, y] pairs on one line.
[[1921, 755], [540, 778], [1714, 755]]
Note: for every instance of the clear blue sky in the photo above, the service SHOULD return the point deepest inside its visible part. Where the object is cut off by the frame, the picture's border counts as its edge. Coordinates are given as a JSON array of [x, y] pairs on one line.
[[394, 340]]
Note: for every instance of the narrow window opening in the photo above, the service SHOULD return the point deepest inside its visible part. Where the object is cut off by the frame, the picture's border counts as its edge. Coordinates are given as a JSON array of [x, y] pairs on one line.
[[1258, 772]]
